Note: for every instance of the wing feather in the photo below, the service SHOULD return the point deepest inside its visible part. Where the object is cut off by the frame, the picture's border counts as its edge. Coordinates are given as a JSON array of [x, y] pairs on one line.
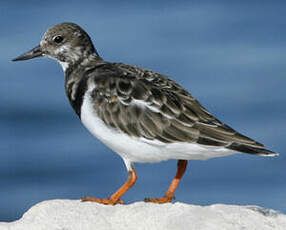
[[145, 104]]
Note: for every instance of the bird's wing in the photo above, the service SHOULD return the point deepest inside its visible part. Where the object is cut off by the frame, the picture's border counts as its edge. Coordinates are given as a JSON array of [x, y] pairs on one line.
[[142, 103]]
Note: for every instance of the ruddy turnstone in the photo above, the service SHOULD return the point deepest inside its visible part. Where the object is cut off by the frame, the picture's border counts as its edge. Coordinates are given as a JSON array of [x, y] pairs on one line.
[[142, 115]]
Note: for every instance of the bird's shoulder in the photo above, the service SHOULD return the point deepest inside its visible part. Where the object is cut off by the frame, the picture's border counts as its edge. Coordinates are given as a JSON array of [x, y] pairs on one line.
[[133, 78]]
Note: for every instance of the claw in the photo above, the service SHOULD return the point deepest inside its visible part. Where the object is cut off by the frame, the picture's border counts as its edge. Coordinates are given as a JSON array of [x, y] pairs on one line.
[[162, 200], [107, 201]]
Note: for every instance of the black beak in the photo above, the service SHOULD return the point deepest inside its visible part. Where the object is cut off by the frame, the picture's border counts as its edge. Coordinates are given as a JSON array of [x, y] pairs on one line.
[[36, 52]]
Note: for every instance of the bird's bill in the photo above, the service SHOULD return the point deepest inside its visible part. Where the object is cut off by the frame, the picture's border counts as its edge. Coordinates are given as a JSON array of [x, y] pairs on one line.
[[36, 52]]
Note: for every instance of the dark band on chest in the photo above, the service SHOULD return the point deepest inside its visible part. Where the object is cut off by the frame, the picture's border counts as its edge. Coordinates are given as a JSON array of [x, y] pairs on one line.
[[79, 96]]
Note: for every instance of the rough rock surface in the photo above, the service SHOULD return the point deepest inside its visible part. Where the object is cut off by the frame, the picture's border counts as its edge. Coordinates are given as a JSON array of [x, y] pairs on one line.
[[77, 215]]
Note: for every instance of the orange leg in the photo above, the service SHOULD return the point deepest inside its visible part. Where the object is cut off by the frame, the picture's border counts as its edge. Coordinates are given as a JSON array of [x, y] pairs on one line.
[[115, 197], [168, 197]]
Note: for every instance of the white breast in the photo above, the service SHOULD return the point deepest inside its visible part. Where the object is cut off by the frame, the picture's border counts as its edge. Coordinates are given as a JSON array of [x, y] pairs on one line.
[[140, 149]]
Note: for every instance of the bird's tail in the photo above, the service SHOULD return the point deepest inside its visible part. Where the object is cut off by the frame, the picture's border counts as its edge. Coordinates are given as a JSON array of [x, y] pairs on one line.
[[261, 151]]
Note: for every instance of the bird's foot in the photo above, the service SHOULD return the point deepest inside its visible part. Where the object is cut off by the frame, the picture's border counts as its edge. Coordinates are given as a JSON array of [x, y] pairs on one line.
[[108, 201], [165, 199]]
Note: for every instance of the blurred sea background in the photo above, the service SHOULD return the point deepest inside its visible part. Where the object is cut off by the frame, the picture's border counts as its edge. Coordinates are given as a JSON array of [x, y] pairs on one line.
[[229, 54]]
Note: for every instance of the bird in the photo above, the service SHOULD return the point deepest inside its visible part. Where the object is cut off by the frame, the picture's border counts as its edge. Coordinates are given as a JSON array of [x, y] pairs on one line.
[[142, 115]]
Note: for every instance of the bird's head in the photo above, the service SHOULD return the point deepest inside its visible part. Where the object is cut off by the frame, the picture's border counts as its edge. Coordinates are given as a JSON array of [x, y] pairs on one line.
[[66, 42]]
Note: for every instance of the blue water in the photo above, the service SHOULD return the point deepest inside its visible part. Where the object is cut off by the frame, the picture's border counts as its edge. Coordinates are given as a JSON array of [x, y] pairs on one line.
[[231, 56]]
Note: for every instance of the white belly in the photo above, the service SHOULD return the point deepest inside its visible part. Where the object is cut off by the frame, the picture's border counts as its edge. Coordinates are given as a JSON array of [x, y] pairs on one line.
[[136, 149]]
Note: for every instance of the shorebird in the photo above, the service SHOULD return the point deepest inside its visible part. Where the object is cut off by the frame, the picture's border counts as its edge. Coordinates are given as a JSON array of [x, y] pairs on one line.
[[143, 116]]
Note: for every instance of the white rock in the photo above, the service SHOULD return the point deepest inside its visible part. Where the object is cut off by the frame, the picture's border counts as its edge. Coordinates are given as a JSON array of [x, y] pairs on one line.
[[77, 215]]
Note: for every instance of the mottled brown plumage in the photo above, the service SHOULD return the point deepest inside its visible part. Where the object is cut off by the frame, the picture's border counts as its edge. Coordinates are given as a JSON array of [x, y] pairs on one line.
[[143, 103]]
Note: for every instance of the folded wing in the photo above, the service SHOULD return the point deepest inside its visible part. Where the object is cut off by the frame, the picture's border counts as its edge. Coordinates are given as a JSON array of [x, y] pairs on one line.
[[148, 105]]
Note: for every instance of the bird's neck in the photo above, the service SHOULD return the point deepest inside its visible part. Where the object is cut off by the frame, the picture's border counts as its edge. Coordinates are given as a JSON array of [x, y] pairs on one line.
[[76, 79], [77, 61]]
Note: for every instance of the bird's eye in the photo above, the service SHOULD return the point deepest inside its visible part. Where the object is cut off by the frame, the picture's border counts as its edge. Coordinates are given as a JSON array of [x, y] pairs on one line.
[[58, 39]]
